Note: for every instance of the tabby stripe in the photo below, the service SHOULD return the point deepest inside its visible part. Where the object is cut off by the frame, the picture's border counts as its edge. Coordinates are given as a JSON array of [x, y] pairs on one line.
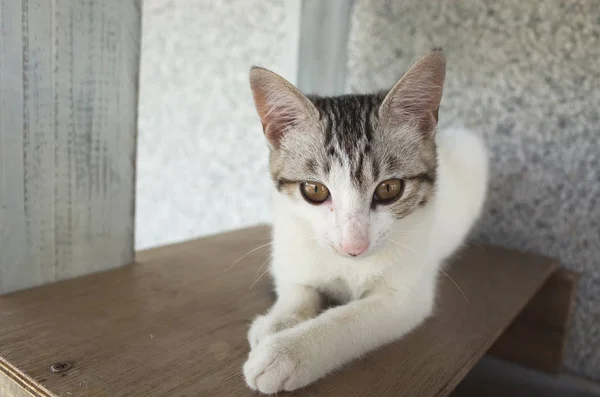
[[375, 165], [358, 172], [328, 131], [281, 183], [423, 178], [368, 126]]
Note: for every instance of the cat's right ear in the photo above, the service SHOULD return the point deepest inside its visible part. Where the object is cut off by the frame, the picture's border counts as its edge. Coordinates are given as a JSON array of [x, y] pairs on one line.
[[416, 97], [280, 106]]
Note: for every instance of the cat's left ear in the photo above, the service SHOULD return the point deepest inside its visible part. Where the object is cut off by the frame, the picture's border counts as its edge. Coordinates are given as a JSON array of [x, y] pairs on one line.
[[416, 97], [281, 107]]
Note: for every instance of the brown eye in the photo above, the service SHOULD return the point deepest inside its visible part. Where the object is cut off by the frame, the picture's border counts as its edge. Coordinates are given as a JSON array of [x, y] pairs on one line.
[[314, 192], [389, 190]]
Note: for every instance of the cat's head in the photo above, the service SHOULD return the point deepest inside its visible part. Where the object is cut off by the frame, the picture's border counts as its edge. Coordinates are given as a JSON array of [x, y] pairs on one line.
[[353, 166]]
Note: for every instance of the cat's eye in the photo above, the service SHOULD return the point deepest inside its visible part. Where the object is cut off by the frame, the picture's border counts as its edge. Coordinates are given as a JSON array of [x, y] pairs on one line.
[[314, 192], [388, 191]]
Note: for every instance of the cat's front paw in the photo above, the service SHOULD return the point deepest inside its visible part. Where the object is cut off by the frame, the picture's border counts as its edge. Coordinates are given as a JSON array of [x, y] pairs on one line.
[[269, 324], [277, 364]]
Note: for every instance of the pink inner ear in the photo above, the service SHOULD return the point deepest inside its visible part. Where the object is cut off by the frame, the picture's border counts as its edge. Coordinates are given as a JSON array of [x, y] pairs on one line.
[[279, 104], [416, 96], [276, 125], [424, 117]]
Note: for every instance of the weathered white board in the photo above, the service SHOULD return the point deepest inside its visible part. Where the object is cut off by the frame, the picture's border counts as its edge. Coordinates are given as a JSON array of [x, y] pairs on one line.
[[68, 124], [323, 28]]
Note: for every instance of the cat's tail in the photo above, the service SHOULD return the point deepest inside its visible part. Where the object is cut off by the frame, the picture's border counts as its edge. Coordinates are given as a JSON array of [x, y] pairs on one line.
[[462, 183]]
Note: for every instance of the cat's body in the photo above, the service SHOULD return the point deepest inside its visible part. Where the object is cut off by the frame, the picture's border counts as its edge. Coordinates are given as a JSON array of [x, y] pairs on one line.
[[338, 238]]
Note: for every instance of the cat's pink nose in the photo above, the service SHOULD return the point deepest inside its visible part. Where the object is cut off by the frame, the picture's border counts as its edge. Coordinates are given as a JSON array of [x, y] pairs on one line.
[[355, 248]]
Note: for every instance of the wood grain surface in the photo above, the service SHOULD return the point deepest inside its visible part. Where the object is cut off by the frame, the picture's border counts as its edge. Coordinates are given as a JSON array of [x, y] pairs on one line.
[[537, 337], [175, 325], [68, 126]]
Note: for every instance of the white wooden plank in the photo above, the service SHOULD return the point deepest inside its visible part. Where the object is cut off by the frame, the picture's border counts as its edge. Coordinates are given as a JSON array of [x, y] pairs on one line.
[[103, 85], [12, 189], [323, 46], [293, 17], [38, 140], [75, 130]]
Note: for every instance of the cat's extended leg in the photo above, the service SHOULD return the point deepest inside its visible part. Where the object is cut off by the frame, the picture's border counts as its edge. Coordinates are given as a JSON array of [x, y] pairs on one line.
[[300, 355], [295, 303]]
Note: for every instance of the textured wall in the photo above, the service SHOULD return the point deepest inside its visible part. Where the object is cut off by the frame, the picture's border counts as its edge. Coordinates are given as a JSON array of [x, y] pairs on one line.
[[202, 158], [526, 74]]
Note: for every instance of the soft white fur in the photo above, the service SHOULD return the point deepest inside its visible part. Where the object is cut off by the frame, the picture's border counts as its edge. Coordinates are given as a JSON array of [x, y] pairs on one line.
[[388, 291]]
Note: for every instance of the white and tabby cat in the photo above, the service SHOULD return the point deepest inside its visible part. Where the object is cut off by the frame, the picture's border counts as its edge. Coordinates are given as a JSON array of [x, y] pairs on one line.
[[370, 201]]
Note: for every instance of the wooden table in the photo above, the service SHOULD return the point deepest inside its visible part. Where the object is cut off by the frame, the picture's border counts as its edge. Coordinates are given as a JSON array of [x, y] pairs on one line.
[[174, 324]]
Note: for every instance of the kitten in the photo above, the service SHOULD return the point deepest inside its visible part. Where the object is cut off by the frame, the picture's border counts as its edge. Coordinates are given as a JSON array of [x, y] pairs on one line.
[[369, 203]]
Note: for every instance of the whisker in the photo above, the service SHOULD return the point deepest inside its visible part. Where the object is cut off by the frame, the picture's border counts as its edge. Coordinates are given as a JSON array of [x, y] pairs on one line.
[[259, 277], [407, 231], [260, 257], [405, 246], [263, 264], [474, 243], [248, 253], [454, 254], [454, 282]]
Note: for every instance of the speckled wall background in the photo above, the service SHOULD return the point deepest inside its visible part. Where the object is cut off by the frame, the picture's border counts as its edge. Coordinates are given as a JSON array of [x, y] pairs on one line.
[[202, 159], [526, 74]]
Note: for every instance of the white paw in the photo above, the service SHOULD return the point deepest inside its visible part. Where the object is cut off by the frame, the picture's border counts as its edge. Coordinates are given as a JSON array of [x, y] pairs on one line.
[[269, 324], [277, 364]]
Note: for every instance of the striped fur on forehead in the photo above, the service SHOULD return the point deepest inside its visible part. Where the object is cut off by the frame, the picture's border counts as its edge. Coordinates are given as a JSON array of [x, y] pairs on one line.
[[349, 137], [349, 124]]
